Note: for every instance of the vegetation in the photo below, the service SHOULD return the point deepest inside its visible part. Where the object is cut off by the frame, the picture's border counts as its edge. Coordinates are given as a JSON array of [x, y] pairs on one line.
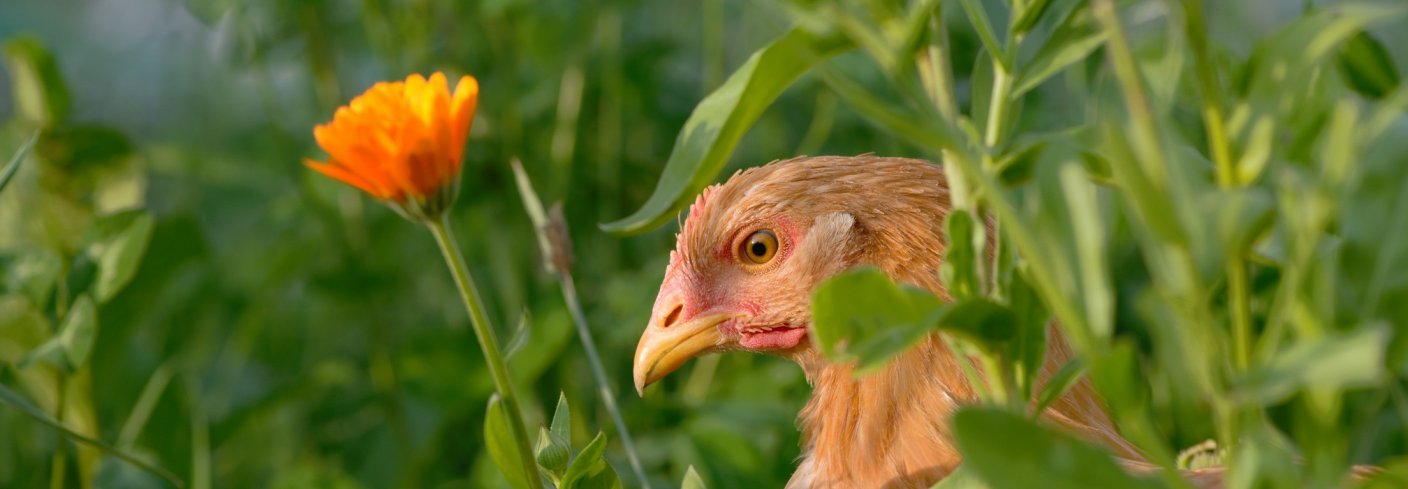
[[1208, 197]]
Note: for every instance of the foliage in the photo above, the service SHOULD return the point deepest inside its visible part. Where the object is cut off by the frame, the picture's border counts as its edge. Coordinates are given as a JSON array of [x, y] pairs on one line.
[[1211, 204]]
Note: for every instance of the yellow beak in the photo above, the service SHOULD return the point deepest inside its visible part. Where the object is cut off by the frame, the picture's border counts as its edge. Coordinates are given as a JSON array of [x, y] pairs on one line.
[[664, 349]]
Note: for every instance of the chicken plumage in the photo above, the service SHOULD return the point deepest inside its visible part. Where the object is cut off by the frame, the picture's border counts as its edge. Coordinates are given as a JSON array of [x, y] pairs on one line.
[[746, 262]]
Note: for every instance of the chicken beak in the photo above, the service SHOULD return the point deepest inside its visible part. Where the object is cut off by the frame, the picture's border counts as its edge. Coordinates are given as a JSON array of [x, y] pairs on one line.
[[663, 348]]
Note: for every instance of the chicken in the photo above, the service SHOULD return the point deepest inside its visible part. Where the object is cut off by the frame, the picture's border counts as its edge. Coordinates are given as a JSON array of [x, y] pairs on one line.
[[741, 277]]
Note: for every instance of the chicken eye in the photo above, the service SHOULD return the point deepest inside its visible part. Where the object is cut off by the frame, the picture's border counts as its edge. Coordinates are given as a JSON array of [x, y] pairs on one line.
[[760, 247]]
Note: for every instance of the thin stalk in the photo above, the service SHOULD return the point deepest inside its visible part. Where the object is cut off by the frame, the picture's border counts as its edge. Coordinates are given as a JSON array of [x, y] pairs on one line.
[[1149, 151], [56, 473], [608, 397], [13, 399], [935, 73], [557, 251], [488, 343], [1238, 297]]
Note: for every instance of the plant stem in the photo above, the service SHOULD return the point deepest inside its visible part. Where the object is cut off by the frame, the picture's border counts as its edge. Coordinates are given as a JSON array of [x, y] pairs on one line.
[[1238, 298], [56, 474], [608, 397], [484, 331]]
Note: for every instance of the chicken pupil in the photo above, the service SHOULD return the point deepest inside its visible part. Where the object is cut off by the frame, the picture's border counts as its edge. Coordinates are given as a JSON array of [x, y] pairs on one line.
[[759, 249]]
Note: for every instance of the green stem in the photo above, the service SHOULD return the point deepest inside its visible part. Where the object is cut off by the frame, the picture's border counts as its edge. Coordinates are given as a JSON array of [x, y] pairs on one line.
[[608, 397], [56, 474], [1236, 269], [484, 331]]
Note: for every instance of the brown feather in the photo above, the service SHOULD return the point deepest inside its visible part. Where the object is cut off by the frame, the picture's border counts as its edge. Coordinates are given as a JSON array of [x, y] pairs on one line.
[[888, 429]]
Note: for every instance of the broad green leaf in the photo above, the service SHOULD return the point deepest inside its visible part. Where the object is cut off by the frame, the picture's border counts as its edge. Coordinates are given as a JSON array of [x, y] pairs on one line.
[[1008, 450], [116, 243], [69, 349], [589, 465], [13, 166], [1367, 66], [864, 316], [1119, 378], [503, 447], [1032, 320], [989, 325], [721, 119], [40, 93], [1340, 361], [692, 480], [959, 270]]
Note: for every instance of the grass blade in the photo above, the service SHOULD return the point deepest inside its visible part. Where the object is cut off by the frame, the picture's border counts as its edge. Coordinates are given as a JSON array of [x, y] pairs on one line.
[[17, 401], [13, 166]]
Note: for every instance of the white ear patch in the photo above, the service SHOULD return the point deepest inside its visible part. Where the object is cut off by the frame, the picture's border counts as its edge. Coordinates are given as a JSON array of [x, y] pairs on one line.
[[826, 241]]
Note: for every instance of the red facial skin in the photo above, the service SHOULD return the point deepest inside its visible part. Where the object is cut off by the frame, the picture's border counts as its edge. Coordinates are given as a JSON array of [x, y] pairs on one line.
[[726, 282]]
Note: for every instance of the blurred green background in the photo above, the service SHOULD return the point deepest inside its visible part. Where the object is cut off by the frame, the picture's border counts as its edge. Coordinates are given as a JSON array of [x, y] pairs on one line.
[[284, 331]]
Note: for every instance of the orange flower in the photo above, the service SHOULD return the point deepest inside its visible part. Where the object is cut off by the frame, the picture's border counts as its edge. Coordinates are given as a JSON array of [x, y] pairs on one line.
[[402, 142]]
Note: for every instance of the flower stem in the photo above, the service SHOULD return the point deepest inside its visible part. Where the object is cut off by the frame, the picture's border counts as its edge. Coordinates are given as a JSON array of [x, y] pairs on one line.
[[484, 331]]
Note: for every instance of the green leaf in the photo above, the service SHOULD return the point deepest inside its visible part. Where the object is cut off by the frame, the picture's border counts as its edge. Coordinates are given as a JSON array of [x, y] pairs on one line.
[[989, 325], [562, 418], [588, 467], [862, 315], [1059, 383], [721, 119], [979, 18], [1031, 13], [1243, 216], [77, 148], [1341, 361], [32, 272], [69, 349], [116, 243], [503, 447], [1008, 450], [1032, 320], [13, 166], [959, 270], [1089, 236], [40, 93], [1066, 47], [1367, 66], [692, 480]]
